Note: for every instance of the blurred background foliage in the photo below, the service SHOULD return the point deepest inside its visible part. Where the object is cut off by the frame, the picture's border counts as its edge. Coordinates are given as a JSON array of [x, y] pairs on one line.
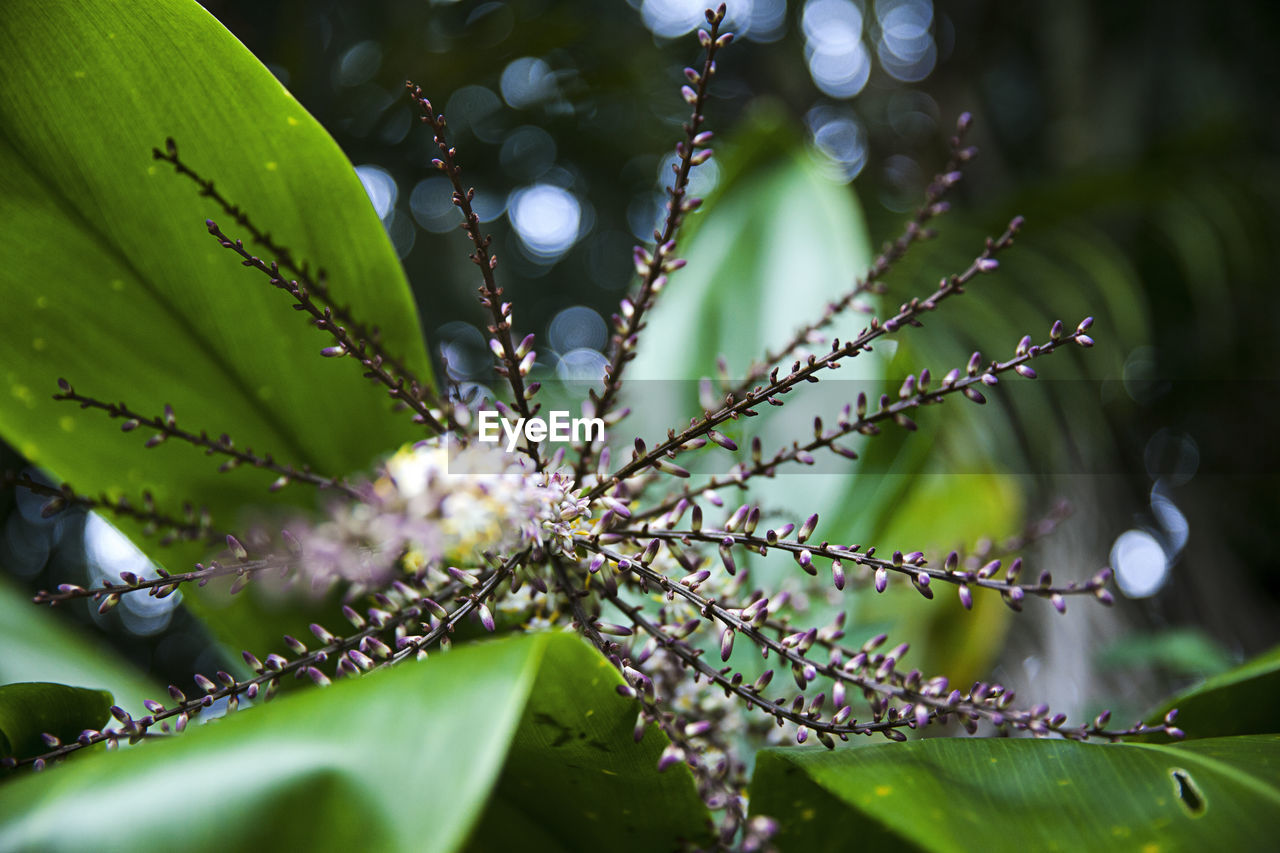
[[1138, 139]]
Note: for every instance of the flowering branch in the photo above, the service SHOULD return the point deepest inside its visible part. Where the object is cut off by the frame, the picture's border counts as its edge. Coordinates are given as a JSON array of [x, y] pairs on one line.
[[515, 361], [655, 266], [871, 282], [192, 527], [734, 408], [413, 395], [316, 285], [166, 427]]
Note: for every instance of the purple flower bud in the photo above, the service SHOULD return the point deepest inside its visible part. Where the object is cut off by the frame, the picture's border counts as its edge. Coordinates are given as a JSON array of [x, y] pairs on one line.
[[726, 557], [671, 756], [806, 529], [882, 578]]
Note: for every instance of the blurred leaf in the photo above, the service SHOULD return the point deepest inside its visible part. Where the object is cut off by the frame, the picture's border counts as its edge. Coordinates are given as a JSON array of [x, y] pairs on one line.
[[40, 644], [576, 780], [780, 241], [1020, 794], [398, 760], [941, 512], [31, 708], [1239, 701], [120, 289], [1181, 651]]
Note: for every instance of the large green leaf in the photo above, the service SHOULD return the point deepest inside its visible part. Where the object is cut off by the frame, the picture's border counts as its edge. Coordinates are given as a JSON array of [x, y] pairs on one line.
[[39, 645], [111, 281], [1237, 702], [576, 780], [401, 760], [1024, 794], [30, 709]]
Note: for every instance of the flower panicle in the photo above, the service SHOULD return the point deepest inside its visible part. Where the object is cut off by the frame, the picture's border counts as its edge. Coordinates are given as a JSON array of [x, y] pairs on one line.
[[653, 567], [315, 283]]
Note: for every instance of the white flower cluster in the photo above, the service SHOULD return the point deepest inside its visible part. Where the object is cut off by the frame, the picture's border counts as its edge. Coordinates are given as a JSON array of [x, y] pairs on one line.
[[436, 504]]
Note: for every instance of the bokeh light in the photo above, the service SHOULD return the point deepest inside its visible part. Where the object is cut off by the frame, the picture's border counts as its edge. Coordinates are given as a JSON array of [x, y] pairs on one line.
[[527, 153], [840, 140], [358, 64], [527, 82], [380, 187], [546, 218], [906, 48], [581, 365], [838, 60], [577, 327], [108, 552], [1140, 563]]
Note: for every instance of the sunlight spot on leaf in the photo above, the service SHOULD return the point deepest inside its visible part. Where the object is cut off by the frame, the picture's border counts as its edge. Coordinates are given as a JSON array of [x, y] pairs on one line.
[[293, 122], [272, 165], [884, 790], [67, 423]]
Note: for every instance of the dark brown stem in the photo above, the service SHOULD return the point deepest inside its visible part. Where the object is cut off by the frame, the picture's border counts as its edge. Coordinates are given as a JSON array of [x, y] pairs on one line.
[[512, 366], [167, 427], [316, 285], [908, 314], [658, 264], [871, 282], [326, 319], [193, 527]]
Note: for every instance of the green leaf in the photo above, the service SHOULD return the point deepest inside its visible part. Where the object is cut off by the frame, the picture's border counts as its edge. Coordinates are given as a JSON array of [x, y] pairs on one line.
[[404, 759], [1180, 651], [32, 708], [115, 285], [774, 219], [1239, 701], [1023, 794], [781, 240], [576, 780], [41, 644], [940, 512]]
